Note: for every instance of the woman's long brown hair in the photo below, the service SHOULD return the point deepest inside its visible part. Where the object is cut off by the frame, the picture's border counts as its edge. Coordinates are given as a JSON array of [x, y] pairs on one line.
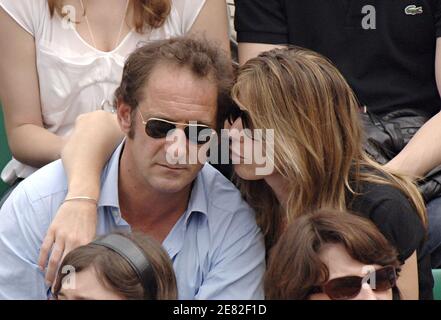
[[147, 13], [318, 138]]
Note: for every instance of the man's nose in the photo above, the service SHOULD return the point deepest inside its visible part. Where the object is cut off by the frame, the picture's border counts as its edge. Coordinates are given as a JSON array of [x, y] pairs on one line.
[[176, 145], [366, 293]]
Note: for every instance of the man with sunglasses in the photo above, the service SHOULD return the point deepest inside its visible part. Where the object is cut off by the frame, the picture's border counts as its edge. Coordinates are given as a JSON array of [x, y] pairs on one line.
[[167, 105]]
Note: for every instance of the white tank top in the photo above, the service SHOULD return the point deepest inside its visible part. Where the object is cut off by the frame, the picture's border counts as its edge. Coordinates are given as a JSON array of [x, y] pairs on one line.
[[75, 77]]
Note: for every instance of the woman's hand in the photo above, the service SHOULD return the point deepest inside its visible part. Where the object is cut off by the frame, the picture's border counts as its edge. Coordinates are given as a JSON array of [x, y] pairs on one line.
[[73, 226]]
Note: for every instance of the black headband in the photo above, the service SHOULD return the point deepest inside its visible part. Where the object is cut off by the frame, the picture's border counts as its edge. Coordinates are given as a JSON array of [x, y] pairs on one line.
[[128, 250]]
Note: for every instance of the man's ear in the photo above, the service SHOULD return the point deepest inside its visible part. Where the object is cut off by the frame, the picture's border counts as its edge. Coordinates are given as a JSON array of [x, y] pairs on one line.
[[124, 114]]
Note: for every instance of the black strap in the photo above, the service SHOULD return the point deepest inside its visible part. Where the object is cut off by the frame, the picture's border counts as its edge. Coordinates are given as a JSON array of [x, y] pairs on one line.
[[128, 250]]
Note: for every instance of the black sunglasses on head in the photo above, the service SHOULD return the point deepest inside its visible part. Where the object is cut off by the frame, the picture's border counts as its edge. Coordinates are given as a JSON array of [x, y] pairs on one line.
[[159, 128], [348, 287]]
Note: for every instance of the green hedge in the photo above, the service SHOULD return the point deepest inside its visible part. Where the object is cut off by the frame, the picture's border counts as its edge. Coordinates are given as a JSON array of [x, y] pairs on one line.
[[5, 154]]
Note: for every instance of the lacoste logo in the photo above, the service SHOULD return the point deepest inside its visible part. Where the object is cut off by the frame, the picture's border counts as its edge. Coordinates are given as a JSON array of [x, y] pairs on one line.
[[413, 10]]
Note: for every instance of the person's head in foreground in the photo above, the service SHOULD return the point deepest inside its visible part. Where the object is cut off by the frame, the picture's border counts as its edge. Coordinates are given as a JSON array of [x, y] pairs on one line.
[[117, 267], [302, 100], [331, 254]]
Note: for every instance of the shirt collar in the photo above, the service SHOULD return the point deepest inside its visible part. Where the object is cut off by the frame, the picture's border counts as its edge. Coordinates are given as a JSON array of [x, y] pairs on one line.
[[109, 180]]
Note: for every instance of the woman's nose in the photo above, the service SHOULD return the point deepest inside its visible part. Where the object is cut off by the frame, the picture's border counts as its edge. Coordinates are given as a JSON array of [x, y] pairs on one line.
[[227, 124], [366, 293]]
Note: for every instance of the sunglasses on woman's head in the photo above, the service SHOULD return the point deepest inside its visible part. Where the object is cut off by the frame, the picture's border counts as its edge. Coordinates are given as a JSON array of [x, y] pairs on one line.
[[159, 128], [349, 287]]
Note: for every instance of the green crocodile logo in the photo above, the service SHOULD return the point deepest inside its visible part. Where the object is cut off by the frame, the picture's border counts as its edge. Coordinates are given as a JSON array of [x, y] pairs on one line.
[[413, 10]]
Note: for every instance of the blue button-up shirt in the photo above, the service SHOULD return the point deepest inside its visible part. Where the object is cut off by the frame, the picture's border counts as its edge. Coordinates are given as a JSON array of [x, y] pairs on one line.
[[216, 247]]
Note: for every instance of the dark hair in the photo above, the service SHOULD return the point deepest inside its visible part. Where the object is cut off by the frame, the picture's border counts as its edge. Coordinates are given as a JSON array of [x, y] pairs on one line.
[[202, 58], [117, 274], [151, 13], [294, 266]]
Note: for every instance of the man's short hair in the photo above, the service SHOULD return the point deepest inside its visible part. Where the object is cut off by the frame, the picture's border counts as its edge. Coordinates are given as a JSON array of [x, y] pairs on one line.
[[204, 59]]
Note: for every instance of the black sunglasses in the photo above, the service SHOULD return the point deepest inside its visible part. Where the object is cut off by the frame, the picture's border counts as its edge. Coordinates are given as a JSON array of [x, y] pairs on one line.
[[195, 133], [349, 287]]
